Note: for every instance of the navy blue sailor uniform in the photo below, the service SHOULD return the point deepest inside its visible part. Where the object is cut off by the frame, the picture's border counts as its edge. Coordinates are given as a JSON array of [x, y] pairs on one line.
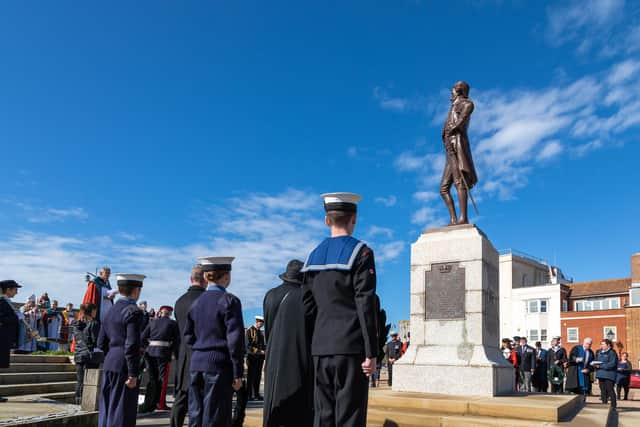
[[215, 332], [119, 339], [340, 294], [162, 339]]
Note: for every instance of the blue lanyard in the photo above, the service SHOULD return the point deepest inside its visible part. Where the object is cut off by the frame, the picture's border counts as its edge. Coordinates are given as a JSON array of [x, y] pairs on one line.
[[216, 288]]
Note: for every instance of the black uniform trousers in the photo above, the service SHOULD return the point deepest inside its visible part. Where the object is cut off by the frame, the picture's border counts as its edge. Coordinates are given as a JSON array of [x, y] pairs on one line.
[[80, 370], [390, 373], [179, 408], [341, 391], [156, 367], [211, 399], [254, 374], [118, 403]]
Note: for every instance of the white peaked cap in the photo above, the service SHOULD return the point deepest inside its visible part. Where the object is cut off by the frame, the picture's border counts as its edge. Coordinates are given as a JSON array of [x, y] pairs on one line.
[[347, 202], [260, 318], [342, 198], [216, 260], [127, 276]]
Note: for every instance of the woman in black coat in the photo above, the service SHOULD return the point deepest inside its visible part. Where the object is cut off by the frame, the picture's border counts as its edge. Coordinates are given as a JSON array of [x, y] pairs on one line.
[[9, 329], [85, 332]]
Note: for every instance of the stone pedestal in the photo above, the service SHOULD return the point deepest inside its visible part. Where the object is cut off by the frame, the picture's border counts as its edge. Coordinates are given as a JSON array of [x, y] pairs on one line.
[[455, 347], [91, 389]]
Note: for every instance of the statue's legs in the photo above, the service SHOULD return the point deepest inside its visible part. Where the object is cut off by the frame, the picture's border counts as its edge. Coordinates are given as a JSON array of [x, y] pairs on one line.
[[462, 201], [445, 192], [448, 200]]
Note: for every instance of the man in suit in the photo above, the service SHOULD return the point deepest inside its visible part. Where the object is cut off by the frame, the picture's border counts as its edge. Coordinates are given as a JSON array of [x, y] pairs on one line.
[[540, 382], [182, 376], [527, 366], [340, 293]]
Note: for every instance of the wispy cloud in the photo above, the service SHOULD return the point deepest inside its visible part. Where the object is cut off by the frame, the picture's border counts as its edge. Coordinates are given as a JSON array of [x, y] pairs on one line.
[[587, 23], [264, 231], [387, 201], [42, 214], [388, 102]]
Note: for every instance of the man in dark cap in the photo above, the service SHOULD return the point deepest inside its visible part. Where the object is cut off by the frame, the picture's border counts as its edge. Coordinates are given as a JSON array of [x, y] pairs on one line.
[[340, 294], [119, 339], [9, 328], [162, 340], [393, 353], [182, 378], [289, 370], [254, 340]]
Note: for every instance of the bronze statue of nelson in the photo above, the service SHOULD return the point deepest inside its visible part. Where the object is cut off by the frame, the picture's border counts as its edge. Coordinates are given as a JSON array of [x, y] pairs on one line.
[[459, 169]]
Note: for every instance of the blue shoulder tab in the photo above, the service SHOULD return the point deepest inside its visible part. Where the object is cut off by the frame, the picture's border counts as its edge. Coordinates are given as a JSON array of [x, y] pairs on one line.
[[336, 253]]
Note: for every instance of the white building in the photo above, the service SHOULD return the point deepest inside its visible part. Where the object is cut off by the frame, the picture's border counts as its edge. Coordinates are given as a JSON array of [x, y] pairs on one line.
[[530, 297]]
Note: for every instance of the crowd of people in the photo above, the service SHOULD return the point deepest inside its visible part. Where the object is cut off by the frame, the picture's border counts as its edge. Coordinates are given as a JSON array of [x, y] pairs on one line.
[[319, 347], [539, 370], [44, 325]]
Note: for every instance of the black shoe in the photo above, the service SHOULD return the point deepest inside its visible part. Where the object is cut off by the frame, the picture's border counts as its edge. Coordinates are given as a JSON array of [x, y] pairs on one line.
[[258, 397], [3, 399]]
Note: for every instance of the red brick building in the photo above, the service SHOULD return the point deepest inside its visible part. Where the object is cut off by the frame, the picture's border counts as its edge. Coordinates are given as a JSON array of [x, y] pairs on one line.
[[604, 309]]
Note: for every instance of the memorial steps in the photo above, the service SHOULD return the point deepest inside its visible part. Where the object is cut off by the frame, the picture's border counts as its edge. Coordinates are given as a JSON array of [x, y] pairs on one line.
[[392, 409], [49, 377]]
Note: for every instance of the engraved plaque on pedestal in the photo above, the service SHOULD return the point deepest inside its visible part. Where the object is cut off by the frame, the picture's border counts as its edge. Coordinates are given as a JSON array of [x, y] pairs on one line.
[[445, 292]]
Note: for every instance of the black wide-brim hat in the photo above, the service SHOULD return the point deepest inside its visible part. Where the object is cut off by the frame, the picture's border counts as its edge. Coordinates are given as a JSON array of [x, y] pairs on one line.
[[293, 274], [6, 284]]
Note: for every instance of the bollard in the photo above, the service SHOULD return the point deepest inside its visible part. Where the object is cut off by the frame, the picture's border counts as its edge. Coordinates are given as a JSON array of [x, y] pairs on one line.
[[91, 390]]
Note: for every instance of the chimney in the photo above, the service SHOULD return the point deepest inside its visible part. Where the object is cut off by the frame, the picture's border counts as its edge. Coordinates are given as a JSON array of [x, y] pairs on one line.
[[635, 269]]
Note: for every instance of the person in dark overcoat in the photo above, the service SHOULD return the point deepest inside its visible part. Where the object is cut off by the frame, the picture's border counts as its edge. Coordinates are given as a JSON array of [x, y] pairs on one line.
[[182, 375], [215, 332], [393, 353], [119, 339], [288, 384], [540, 381], [85, 333], [9, 323], [606, 366], [161, 339], [340, 295], [579, 368], [527, 365]]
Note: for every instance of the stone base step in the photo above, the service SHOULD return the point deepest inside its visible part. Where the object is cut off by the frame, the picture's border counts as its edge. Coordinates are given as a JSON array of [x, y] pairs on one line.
[[27, 358], [18, 368], [36, 378], [39, 389], [86, 419], [62, 396]]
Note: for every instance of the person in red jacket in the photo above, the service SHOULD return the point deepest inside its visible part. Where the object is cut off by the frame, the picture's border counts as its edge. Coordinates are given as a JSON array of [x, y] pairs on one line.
[[510, 354]]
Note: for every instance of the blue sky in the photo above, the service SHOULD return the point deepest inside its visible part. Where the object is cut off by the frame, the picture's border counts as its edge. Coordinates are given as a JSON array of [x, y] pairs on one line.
[[144, 135]]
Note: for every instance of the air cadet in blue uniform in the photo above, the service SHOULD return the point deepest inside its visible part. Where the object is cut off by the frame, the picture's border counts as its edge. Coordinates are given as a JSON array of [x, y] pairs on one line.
[[120, 339], [340, 292], [215, 332], [162, 340]]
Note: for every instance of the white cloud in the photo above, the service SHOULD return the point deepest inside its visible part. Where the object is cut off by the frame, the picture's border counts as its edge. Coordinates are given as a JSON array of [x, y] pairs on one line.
[[587, 22], [387, 102], [425, 216], [263, 231], [374, 231], [550, 150], [387, 201], [425, 196], [389, 251], [585, 148]]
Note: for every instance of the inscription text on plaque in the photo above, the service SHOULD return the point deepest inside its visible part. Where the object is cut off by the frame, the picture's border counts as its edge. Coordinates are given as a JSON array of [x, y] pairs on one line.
[[445, 291]]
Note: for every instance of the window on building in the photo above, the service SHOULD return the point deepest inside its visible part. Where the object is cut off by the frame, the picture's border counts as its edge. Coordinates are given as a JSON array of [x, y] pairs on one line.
[[572, 335], [537, 305], [533, 335], [543, 334], [610, 332], [598, 304], [565, 305]]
